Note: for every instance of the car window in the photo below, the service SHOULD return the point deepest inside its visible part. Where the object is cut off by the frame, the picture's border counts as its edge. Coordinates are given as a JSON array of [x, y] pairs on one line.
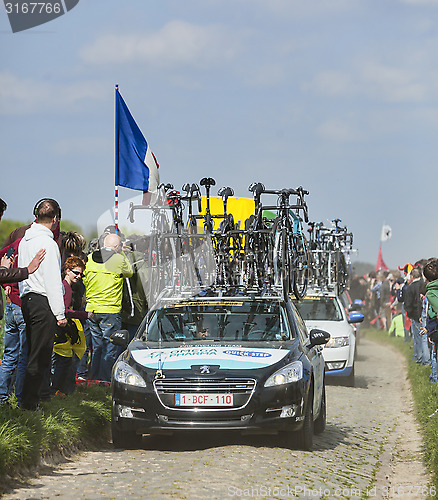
[[301, 327], [320, 309], [239, 321]]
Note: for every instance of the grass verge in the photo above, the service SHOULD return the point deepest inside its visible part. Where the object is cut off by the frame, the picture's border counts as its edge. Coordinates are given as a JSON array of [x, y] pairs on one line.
[[81, 420], [425, 396]]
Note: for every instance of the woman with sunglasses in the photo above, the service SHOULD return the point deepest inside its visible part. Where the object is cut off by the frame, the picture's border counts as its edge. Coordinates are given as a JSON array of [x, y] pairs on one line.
[[69, 341]]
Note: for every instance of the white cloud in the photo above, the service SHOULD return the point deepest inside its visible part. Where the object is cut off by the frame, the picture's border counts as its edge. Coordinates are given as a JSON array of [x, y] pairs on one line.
[[178, 43], [377, 81], [394, 84], [332, 83], [263, 75], [26, 95], [338, 130], [300, 8]]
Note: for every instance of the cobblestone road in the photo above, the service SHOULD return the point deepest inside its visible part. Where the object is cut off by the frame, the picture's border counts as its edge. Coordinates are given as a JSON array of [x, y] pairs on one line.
[[371, 447]]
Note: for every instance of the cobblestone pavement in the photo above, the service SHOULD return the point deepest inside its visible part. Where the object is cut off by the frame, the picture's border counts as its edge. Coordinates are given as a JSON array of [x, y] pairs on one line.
[[371, 448]]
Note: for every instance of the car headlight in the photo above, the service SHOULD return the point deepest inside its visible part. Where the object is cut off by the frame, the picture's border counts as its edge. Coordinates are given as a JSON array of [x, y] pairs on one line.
[[125, 374], [338, 342], [289, 373]]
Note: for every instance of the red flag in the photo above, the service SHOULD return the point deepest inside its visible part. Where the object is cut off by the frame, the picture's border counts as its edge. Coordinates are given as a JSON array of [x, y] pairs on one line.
[[381, 266]]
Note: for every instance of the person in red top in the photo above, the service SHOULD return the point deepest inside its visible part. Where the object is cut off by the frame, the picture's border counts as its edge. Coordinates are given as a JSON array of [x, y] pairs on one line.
[[63, 378]]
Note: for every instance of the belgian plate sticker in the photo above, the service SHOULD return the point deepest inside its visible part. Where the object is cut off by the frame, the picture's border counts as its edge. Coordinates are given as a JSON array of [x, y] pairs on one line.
[[225, 357]]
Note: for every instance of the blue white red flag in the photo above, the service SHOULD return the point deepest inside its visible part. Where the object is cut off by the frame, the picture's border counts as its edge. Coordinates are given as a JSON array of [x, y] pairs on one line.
[[135, 165]]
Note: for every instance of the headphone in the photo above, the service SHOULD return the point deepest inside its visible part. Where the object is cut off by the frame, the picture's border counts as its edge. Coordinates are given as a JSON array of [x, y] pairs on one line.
[[38, 203]]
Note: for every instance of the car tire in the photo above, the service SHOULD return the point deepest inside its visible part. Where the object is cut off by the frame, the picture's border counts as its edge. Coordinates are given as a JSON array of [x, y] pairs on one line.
[[304, 437], [320, 422], [124, 439], [350, 379]]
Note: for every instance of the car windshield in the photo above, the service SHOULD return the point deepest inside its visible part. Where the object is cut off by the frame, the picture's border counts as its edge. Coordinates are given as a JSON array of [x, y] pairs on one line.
[[320, 308], [243, 321]]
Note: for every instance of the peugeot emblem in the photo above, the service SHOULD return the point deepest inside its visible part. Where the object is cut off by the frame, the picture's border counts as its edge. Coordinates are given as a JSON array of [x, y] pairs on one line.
[[204, 369]]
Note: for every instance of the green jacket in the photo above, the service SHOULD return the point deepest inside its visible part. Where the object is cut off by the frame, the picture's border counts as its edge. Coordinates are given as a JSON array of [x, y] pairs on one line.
[[432, 297], [103, 280], [397, 327]]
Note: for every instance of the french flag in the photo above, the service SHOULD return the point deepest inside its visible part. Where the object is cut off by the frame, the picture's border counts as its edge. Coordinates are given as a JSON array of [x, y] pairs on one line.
[[135, 165]]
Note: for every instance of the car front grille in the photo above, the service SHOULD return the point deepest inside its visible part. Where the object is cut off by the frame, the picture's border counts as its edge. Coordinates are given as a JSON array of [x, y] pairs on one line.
[[241, 388]]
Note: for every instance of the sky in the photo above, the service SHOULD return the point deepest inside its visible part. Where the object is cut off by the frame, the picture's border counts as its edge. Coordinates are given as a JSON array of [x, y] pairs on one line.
[[340, 97]]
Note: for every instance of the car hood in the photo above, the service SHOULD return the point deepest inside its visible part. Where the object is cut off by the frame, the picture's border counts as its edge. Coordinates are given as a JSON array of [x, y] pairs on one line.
[[335, 328], [226, 357]]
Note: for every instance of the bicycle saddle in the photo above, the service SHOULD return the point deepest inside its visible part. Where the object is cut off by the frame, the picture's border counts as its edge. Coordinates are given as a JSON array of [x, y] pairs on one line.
[[186, 188], [256, 188], [225, 192], [207, 182], [194, 188]]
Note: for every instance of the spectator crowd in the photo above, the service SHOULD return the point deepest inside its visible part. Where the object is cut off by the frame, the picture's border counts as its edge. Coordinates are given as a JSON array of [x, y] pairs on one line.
[[62, 305], [404, 303]]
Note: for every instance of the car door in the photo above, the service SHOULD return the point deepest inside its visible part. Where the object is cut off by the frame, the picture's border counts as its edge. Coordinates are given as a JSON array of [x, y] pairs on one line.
[[315, 357]]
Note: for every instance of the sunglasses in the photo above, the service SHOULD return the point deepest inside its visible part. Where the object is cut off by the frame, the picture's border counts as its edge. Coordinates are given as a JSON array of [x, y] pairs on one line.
[[78, 273]]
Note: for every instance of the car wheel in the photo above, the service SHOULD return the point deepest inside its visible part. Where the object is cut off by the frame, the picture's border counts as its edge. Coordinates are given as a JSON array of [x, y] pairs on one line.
[[124, 439], [304, 436], [350, 379], [319, 425]]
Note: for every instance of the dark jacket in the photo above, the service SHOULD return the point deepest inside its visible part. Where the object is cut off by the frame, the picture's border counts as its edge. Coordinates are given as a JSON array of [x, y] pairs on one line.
[[14, 293], [412, 301], [13, 275]]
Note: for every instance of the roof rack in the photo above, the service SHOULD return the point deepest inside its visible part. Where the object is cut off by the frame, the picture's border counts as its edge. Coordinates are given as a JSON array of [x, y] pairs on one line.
[[220, 292]]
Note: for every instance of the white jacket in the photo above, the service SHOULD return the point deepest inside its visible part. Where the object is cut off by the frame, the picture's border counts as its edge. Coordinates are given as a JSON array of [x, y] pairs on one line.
[[46, 280]]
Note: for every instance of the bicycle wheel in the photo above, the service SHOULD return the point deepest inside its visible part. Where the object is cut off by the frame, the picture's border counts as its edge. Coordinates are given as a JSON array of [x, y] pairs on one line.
[[264, 257], [300, 266], [250, 262], [281, 261], [341, 273]]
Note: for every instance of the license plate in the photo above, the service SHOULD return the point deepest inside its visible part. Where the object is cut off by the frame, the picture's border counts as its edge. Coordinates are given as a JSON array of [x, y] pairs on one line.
[[204, 399]]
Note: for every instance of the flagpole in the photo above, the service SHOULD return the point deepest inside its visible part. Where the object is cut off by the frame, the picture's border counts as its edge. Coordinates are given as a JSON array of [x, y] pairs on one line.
[[116, 164]]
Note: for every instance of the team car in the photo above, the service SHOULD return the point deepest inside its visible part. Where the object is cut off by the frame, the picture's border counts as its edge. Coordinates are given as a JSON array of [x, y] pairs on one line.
[[240, 363], [325, 310]]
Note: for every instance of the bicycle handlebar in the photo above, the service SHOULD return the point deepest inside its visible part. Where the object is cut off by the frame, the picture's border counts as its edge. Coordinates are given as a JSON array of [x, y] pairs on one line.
[[165, 186]]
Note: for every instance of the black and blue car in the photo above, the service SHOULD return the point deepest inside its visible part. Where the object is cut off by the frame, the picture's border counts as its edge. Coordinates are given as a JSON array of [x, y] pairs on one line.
[[241, 363]]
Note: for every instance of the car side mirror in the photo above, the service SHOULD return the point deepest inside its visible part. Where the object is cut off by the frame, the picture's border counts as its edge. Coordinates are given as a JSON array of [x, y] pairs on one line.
[[318, 337], [356, 317], [120, 338]]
